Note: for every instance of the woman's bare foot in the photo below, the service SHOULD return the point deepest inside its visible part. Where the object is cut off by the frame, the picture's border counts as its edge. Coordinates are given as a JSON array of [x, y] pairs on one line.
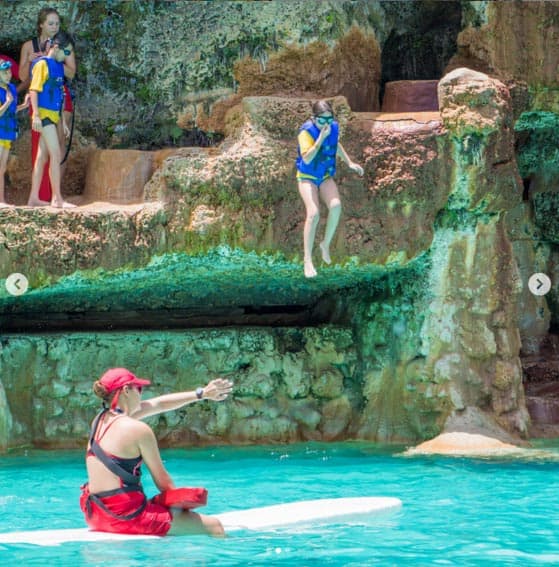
[[4, 205], [62, 204], [310, 272], [325, 253], [37, 203]]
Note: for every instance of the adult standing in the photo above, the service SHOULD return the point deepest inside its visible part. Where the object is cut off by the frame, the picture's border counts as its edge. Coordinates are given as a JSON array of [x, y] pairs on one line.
[[48, 25], [318, 147]]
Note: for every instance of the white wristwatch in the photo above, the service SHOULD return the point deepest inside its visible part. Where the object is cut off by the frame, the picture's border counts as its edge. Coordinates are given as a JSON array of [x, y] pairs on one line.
[[200, 393]]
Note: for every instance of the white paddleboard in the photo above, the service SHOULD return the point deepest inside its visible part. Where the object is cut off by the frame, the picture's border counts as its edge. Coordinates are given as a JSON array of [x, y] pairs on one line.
[[294, 514], [308, 513]]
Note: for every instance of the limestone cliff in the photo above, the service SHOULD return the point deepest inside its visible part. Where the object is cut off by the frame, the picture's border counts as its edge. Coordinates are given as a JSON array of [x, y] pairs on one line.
[[427, 303], [190, 266]]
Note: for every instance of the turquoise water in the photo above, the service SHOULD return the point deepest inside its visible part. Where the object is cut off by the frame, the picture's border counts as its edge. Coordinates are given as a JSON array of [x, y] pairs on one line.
[[456, 511]]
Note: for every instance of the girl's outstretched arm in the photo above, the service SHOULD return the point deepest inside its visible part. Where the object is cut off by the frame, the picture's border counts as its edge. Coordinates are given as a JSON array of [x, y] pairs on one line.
[[352, 165]]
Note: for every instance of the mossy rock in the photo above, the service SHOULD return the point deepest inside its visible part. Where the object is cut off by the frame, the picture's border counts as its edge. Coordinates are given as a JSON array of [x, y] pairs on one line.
[[546, 218]]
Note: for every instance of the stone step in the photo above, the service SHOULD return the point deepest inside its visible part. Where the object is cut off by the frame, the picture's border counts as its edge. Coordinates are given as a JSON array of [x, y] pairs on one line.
[[543, 389], [410, 96], [117, 176], [399, 122]]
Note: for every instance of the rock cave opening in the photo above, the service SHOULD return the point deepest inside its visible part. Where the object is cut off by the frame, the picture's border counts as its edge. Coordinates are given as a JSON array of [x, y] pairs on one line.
[[418, 49], [330, 308], [166, 319]]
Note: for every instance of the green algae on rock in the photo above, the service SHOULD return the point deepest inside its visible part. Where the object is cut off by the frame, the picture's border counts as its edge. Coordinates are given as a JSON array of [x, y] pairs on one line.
[[220, 277], [426, 287], [538, 140]]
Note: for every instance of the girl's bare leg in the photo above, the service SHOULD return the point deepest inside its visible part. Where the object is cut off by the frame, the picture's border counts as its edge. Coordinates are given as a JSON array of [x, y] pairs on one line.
[[37, 174], [309, 194], [4, 152], [49, 137], [329, 194]]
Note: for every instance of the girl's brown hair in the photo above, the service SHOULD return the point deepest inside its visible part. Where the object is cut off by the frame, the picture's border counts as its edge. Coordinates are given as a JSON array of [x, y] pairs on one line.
[[43, 15], [321, 106]]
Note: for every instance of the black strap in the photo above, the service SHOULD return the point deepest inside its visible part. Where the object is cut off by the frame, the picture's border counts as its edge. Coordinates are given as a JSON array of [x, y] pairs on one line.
[[96, 498], [99, 502], [95, 424], [69, 142], [36, 46], [115, 468], [126, 477]]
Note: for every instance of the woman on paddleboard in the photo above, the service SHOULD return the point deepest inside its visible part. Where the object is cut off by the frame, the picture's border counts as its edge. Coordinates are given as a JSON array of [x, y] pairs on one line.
[[113, 499]]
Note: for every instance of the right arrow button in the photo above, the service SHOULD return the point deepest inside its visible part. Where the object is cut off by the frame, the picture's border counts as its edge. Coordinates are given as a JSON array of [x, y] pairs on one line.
[[539, 284]]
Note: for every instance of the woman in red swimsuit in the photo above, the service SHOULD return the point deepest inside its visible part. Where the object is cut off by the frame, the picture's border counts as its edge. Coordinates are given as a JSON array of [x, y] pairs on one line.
[[113, 499]]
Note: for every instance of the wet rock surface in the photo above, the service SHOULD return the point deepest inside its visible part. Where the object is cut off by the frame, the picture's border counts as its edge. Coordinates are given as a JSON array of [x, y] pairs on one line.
[[460, 443]]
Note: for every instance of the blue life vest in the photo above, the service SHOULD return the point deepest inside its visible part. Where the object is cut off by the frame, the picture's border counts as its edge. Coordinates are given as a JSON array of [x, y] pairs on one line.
[[324, 162], [8, 121], [52, 95]]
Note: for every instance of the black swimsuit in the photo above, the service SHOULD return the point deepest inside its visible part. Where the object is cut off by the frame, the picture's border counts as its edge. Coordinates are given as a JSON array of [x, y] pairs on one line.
[[127, 469]]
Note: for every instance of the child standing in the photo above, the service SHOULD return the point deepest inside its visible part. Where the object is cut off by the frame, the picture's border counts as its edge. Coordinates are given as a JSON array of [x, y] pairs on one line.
[[46, 95], [8, 120]]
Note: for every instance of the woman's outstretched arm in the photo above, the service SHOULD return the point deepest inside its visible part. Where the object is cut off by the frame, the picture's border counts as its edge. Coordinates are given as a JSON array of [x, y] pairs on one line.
[[216, 390]]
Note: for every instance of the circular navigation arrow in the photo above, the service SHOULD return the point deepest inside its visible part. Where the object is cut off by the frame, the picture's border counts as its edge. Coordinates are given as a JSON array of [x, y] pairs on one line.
[[539, 284], [16, 284]]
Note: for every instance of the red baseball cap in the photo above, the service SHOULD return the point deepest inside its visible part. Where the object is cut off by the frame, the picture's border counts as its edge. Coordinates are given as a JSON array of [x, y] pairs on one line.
[[116, 378], [14, 66]]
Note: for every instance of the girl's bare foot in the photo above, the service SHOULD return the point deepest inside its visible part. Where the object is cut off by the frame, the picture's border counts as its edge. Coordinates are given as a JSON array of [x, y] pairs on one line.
[[310, 272], [62, 204], [4, 205], [325, 253], [37, 203]]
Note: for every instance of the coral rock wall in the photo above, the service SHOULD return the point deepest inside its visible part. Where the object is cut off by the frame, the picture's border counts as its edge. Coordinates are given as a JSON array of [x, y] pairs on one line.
[[289, 384]]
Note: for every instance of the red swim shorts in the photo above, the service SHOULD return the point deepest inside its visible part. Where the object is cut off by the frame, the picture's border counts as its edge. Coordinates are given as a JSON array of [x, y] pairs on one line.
[[153, 520], [68, 104]]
